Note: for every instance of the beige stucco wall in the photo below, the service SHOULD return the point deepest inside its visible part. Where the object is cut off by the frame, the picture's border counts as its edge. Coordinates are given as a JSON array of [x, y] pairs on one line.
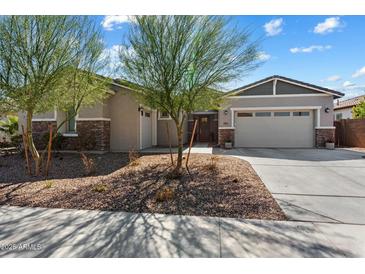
[[99, 110], [326, 119], [46, 115], [162, 139], [346, 113], [124, 127]]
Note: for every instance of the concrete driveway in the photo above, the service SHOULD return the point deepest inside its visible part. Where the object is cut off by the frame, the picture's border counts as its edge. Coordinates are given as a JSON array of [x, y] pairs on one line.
[[316, 185]]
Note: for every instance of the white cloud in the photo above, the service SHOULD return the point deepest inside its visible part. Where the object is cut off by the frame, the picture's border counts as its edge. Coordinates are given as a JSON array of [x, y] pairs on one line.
[[111, 22], [111, 56], [329, 25], [348, 84], [263, 56], [274, 27], [358, 73], [310, 49], [333, 78]]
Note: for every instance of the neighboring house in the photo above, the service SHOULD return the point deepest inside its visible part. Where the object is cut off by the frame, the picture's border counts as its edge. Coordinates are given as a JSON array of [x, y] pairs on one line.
[[343, 109], [273, 112]]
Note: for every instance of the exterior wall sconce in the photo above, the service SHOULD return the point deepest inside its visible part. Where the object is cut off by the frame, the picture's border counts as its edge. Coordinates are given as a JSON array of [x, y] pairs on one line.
[[140, 109], [327, 110], [225, 112]]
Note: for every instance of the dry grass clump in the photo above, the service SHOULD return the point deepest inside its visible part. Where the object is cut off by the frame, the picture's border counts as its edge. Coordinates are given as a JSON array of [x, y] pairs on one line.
[[100, 188], [212, 165], [48, 184], [89, 164], [133, 157], [166, 194]]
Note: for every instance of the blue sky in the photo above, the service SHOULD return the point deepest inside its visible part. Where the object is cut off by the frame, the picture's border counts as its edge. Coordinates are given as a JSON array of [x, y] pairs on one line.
[[325, 50]]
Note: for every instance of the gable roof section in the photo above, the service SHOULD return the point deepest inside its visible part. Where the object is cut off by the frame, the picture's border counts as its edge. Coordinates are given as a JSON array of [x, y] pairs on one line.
[[349, 103], [335, 93]]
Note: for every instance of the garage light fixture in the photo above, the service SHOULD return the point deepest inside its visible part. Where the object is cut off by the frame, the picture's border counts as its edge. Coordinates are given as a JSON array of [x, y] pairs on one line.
[[326, 110], [225, 112]]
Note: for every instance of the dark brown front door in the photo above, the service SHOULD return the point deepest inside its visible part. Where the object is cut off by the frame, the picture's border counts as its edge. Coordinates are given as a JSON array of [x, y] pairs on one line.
[[204, 129]]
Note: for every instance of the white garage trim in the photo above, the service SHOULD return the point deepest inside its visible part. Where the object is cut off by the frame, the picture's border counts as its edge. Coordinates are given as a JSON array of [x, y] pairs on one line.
[[274, 86], [140, 130], [325, 127], [154, 127], [275, 131], [277, 108]]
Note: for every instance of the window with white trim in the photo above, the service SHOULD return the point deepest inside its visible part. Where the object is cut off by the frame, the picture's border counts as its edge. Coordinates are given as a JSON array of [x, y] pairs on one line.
[[301, 113], [71, 122], [282, 114], [263, 114], [163, 115], [244, 114]]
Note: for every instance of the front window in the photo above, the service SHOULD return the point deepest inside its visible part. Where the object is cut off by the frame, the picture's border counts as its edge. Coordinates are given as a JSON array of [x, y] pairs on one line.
[[71, 121], [338, 116], [163, 115]]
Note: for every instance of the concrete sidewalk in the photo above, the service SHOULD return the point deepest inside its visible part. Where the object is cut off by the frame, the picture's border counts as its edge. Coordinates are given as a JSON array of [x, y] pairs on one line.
[[197, 148], [40, 232]]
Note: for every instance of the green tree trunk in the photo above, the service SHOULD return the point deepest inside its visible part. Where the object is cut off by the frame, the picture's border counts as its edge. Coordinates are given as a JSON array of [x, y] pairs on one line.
[[33, 150], [180, 144]]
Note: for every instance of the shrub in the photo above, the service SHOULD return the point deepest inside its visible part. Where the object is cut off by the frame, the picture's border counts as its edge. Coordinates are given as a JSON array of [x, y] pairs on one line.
[[212, 166], [89, 164], [48, 184], [100, 188], [165, 194], [133, 156]]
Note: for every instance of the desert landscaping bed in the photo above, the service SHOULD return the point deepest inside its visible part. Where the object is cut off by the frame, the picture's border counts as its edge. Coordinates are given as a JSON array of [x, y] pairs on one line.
[[219, 186]]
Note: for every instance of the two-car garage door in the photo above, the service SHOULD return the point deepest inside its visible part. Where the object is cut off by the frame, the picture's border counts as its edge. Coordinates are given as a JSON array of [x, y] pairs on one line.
[[274, 128]]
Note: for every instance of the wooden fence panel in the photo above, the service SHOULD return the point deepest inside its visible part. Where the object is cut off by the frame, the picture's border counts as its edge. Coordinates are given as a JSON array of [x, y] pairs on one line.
[[350, 132]]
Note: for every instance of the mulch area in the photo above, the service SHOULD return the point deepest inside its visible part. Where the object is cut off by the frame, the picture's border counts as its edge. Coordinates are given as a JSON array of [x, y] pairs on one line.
[[220, 186]]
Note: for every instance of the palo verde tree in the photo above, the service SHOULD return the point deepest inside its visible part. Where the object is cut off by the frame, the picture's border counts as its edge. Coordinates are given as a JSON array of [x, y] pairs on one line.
[[179, 62], [358, 111], [44, 60]]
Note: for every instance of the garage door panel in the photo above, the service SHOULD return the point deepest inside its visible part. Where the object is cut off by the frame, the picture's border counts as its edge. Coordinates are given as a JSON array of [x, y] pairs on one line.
[[274, 131]]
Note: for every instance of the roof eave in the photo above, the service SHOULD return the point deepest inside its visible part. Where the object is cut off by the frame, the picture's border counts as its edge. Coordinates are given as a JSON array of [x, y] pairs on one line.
[[336, 94]]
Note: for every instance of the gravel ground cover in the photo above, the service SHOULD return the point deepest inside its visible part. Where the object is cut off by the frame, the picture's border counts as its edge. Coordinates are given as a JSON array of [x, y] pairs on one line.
[[218, 186]]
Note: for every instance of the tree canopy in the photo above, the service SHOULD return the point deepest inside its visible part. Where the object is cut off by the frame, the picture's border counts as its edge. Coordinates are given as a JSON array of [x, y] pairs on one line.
[[49, 62], [358, 111], [179, 62]]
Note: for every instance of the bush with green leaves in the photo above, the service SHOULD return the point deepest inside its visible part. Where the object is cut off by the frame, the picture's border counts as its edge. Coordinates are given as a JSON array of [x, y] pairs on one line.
[[358, 112]]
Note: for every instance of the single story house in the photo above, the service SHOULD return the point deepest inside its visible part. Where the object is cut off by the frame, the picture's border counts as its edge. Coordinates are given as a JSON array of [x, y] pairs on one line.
[[273, 112], [343, 109]]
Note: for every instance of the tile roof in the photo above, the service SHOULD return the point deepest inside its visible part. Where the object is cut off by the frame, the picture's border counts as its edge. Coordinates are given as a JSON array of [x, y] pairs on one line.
[[349, 103]]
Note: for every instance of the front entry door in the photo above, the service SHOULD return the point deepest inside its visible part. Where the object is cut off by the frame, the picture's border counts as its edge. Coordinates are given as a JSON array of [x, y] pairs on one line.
[[204, 129]]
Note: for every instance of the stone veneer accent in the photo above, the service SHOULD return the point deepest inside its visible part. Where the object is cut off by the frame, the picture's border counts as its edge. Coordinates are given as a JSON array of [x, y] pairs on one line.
[[323, 135], [224, 135], [92, 135]]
